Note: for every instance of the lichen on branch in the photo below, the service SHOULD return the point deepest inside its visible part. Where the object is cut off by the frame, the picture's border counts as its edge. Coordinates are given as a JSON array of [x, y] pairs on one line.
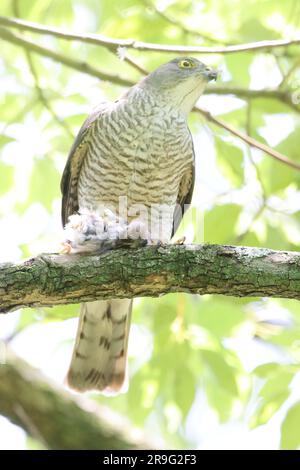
[[51, 279]]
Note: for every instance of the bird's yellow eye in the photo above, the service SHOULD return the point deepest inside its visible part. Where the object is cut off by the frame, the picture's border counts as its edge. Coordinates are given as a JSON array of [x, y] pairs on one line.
[[186, 64]]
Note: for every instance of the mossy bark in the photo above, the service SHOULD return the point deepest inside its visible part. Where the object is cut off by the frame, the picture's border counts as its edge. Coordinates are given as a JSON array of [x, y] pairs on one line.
[[57, 419], [51, 279]]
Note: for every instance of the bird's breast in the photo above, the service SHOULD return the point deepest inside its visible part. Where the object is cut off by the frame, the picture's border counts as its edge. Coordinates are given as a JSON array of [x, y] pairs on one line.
[[142, 158]]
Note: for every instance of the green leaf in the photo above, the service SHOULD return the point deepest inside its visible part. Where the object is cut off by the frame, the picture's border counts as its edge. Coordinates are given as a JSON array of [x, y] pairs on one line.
[[7, 177], [239, 69], [26, 318], [221, 371], [267, 409], [5, 139], [220, 222], [219, 400], [44, 184], [268, 106], [253, 30], [281, 175], [290, 434], [221, 315], [274, 392], [185, 389], [230, 160], [276, 384], [265, 370], [61, 312]]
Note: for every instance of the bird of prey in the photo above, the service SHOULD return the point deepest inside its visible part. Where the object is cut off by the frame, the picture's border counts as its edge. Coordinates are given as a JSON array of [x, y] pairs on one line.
[[138, 147]]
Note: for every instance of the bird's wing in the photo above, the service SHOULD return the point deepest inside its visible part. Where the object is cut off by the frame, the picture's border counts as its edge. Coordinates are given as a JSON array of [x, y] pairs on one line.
[[73, 166], [185, 193]]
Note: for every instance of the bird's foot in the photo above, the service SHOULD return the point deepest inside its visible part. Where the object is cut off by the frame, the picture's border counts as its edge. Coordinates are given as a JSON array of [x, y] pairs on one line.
[[65, 248], [180, 241]]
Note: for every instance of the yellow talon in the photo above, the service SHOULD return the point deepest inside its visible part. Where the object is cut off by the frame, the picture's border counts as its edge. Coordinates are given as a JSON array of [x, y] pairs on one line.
[[66, 248], [180, 241]]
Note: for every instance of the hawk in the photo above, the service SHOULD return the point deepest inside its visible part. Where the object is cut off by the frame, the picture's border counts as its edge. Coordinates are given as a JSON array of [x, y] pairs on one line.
[[139, 148]]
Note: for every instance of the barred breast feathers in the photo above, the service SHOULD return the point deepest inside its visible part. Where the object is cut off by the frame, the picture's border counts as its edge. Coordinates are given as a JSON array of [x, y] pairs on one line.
[[138, 148]]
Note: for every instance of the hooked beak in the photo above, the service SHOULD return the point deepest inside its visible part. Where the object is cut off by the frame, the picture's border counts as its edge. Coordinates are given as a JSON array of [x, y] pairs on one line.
[[212, 75]]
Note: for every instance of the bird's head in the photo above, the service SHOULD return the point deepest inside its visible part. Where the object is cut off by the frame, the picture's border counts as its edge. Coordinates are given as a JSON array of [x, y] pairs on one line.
[[180, 81]]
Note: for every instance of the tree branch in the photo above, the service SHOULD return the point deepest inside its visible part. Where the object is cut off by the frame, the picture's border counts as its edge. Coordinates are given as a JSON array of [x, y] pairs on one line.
[[249, 140], [51, 279], [40, 93], [290, 72], [56, 418], [113, 44], [277, 94], [63, 59], [184, 29], [90, 70]]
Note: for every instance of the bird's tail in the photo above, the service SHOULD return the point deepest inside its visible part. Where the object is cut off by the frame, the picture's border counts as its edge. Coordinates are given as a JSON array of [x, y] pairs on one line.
[[99, 356]]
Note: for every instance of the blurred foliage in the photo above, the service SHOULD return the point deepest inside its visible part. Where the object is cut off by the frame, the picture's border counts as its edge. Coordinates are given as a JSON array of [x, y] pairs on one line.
[[220, 352]]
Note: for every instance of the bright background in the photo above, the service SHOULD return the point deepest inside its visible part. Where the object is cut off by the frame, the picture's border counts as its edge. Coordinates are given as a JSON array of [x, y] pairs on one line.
[[207, 372]]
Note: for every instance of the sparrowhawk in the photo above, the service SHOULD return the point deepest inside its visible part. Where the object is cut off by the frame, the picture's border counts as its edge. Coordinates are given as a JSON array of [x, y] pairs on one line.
[[138, 147]]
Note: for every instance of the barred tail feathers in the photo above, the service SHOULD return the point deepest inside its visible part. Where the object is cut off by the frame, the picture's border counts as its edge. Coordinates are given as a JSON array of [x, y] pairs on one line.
[[99, 355]]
